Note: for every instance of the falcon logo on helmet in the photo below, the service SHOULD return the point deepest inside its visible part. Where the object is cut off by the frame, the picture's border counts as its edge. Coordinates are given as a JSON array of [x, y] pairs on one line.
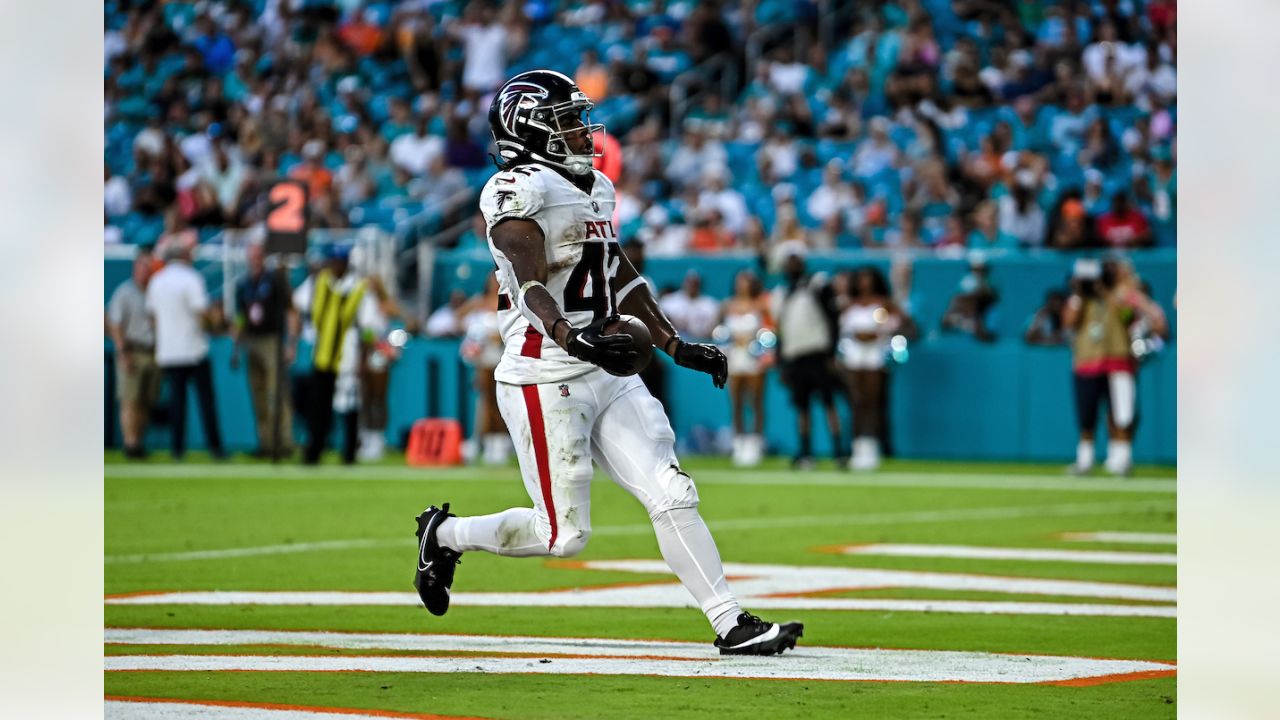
[[516, 96], [536, 117]]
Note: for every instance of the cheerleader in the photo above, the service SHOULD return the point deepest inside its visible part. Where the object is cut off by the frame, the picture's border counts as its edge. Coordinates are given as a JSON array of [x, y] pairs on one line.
[[870, 318], [746, 330], [482, 349]]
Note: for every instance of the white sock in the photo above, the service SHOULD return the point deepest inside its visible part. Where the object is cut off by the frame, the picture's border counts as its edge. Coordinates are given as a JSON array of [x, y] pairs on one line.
[[510, 533], [691, 553], [1084, 454], [1119, 455]]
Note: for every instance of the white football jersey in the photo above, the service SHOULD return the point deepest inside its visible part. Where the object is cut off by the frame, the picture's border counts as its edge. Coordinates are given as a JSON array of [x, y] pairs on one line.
[[582, 259]]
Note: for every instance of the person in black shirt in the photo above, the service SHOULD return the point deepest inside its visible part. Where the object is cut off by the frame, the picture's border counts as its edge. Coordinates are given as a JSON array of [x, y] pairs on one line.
[[262, 305]]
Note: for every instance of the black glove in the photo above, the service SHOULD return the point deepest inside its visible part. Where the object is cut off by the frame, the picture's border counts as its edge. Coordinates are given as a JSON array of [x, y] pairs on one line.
[[611, 352], [703, 358]]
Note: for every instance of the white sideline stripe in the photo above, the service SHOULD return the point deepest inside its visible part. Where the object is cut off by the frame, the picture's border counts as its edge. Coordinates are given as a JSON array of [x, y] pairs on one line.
[[611, 657], [1133, 538], [399, 599], [971, 552], [1029, 481], [764, 586], [890, 518], [282, 549], [178, 710]]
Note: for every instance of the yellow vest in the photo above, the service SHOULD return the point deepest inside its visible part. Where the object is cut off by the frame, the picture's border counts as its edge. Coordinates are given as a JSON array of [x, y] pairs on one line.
[[1101, 343], [332, 314]]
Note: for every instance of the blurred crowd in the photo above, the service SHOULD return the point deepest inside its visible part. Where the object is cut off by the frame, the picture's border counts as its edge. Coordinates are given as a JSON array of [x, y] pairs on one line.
[[776, 128], [760, 126]]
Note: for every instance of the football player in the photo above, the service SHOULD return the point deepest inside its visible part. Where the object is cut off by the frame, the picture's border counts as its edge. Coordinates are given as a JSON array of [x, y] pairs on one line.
[[565, 388]]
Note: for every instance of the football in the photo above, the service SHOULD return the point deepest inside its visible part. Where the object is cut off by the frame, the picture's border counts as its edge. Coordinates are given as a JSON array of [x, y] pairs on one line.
[[641, 340]]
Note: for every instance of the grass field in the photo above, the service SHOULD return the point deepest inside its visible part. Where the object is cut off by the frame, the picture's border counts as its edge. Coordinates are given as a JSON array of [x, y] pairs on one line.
[[942, 559]]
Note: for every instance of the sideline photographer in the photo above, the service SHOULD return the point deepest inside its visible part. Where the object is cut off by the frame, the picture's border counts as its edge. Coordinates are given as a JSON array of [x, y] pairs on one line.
[[1104, 304]]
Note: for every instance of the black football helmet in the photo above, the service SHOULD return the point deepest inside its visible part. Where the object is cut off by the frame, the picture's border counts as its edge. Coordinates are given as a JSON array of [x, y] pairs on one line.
[[533, 114]]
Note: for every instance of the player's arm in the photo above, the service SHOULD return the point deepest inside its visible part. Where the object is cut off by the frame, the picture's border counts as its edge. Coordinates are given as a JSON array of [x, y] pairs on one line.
[[634, 298], [523, 245]]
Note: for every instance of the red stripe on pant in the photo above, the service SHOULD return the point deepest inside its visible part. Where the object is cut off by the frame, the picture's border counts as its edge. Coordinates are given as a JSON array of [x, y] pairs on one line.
[[532, 343], [538, 433]]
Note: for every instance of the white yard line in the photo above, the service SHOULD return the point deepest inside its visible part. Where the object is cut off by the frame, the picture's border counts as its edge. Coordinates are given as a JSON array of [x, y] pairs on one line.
[[1030, 481], [618, 657], [117, 709], [970, 552], [1132, 538], [761, 586], [399, 599], [759, 523], [282, 549]]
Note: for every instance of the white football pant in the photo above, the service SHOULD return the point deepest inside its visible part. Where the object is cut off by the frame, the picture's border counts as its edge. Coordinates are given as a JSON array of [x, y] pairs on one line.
[[558, 429]]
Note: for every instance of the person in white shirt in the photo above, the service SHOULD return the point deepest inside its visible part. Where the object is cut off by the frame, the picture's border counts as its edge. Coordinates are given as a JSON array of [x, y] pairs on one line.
[[728, 201], [415, 152], [833, 195], [484, 50], [693, 313], [178, 300], [1127, 57]]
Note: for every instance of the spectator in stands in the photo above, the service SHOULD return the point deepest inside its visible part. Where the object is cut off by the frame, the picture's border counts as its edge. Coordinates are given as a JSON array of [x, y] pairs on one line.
[[133, 335], [1021, 216], [439, 184], [592, 77], [725, 200], [179, 304], [779, 156], [662, 238], [693, 313], [869, 319], [1123, 226], [460, 149], [1045, 327], [877, 153], [1070, 228], [709, 234], [744, 316], [117, 195], [967, 311], [227, 177], [354, 181], [487, 43], [445, 320], [806, 315], [415, 152], [907, 234], [831, 197], [312, 170], [696, 158], [264, 320]]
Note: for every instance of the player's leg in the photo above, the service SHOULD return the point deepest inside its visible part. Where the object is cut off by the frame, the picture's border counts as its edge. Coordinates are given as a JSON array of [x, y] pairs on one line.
[[551, 431], [551, 427], [633, 442], [1088, 396], [178, 376], [1122, 393]]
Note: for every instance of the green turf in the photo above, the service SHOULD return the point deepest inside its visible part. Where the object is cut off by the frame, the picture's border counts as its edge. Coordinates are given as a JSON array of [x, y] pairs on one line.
[[155, 509]]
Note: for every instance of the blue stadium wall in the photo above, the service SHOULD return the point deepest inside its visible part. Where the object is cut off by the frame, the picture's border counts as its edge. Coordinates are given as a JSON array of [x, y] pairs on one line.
[[954, 398]]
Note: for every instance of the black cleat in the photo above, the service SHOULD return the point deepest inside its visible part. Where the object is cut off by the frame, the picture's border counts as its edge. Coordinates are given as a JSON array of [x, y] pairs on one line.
[[436, 564], [754, 636]]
